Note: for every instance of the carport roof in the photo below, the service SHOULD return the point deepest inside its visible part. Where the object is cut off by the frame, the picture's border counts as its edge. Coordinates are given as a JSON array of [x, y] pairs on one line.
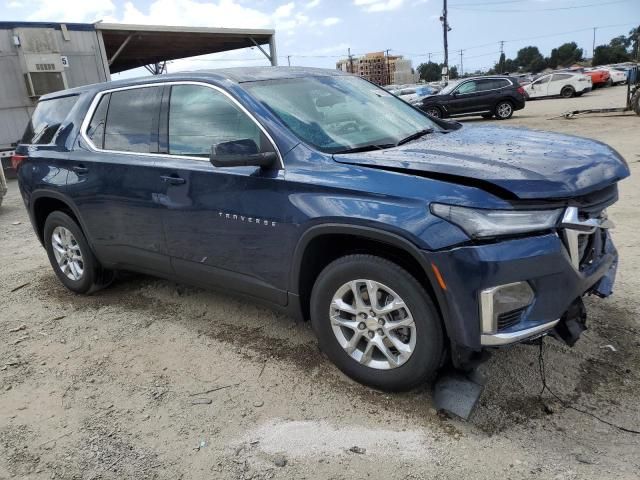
[[131, 46]]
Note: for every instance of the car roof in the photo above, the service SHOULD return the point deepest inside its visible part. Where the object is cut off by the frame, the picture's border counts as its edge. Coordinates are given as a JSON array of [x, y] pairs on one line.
[[235, 75]]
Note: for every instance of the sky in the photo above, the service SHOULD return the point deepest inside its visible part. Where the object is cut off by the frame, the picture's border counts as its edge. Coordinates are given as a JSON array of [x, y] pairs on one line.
[[319, 32]]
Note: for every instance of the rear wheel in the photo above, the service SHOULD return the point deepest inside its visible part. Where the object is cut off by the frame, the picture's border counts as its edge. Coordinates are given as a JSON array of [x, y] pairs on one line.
[[504, 110], [635, 101], [376, 323], [567, 92], [434, 112], [72, 260]]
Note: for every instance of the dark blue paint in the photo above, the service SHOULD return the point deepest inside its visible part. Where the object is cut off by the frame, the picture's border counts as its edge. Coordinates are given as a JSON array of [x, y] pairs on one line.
[[199, 231]]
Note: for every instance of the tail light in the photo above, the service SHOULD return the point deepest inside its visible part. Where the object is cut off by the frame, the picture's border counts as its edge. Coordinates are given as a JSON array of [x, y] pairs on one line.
[[16, 160], [521, 90]]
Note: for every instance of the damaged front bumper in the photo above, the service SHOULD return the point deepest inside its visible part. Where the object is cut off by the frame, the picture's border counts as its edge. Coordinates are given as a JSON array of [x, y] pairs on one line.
[[477, 315]]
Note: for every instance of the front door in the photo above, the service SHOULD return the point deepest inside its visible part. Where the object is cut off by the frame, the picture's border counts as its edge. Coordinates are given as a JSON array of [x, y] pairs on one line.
[[540, 87], [223, 226], [115, 185], [469, 97]]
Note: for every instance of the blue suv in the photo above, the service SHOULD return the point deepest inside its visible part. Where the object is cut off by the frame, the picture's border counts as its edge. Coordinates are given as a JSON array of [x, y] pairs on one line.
[[408, 241]]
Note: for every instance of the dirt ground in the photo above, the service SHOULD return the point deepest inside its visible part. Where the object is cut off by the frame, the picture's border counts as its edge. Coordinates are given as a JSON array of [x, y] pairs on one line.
[[150, 379]]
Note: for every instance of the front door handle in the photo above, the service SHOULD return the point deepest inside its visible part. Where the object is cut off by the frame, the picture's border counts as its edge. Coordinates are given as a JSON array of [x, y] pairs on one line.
[[172, 179], [80, 169]]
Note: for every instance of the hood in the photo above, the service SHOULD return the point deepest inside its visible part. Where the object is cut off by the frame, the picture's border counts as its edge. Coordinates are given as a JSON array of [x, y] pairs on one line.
[[526, 164]]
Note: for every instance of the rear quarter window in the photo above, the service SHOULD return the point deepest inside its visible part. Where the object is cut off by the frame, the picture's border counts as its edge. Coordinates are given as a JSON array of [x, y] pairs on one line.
[[47, 119]]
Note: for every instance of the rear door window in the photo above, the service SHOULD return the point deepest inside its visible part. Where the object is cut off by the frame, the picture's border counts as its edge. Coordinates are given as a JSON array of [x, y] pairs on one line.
[[560, 76], [47, 119], [132, 120]]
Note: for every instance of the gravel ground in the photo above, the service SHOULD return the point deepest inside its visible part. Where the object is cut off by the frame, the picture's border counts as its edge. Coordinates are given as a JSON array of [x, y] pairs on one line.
[[150, 379]]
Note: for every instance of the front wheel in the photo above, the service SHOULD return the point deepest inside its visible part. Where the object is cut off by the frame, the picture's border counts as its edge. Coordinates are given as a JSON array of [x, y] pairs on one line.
[[69, 253], [504, 110], [434, 112], [376, 322]]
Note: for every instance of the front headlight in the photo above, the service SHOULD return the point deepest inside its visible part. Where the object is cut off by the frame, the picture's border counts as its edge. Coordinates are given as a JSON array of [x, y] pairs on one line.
[[480, 223]]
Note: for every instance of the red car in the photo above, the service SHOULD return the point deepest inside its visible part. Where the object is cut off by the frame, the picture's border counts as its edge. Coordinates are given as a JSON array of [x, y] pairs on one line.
[[599, 78]]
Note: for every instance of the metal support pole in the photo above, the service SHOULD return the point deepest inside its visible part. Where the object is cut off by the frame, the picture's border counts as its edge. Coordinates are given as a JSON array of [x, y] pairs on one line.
[[120, 48], [272, 51]]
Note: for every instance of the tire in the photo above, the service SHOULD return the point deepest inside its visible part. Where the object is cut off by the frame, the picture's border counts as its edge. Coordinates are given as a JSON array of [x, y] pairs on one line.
[[503, 110], [635, 101], [424, 338], [567, 92], [88, 275], [434, 112]]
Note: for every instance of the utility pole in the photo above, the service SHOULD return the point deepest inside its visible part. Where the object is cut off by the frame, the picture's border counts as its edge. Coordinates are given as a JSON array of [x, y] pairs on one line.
[[593, 48], [388, 79], [429, 56], [289, 60], [350, 61], [445, 30], [500, 64], [461, 67]]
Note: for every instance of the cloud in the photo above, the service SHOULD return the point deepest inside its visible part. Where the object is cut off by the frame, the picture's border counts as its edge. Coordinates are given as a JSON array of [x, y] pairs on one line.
[[68, 10], [378, 5], [330, 21], [312, 4]]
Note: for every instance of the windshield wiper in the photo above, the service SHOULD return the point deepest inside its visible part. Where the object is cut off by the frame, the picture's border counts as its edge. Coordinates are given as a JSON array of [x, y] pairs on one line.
[[414, 136], [366, 148]]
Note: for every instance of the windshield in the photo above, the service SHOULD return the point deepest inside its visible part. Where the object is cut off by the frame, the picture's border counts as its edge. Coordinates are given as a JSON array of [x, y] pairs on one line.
[[338, 113], [449, 88]]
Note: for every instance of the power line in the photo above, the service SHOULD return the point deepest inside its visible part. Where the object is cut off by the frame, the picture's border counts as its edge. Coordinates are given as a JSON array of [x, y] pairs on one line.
[[572, 7]]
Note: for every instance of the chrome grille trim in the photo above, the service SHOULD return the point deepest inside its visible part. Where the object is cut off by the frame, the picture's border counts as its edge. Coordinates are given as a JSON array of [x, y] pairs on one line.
[[572, 227]]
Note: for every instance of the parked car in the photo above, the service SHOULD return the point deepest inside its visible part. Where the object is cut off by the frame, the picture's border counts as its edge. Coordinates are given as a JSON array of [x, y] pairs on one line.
[[562, 84], [616, 76], [599, 77], [486, 96], [414, 94], [407, 241]]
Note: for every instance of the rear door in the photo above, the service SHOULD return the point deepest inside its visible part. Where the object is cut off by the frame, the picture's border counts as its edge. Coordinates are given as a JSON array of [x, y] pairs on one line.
[[558, 80], [224, 226], [114, 181]]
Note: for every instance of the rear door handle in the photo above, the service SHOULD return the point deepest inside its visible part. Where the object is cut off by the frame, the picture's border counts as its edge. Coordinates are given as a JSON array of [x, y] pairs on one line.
[[80, 169], [172, 179]]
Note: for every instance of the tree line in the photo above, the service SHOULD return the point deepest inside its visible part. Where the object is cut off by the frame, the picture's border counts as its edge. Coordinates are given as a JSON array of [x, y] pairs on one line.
[[529, 59]]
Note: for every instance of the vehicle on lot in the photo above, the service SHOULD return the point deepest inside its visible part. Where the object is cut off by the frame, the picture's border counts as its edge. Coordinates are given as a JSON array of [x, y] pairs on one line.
[[616, 76], [407, 241], [497, 96], [559, 84], [415, 93], [599, 77]]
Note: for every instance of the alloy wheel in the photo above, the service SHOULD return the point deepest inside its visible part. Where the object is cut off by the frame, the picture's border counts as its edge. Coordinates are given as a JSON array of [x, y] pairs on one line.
[[504, 110], [373, 324], [67, 253], [434, 112]]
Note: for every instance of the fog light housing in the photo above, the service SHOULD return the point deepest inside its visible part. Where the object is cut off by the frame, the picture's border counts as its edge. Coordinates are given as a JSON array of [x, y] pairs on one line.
[[502, 299]]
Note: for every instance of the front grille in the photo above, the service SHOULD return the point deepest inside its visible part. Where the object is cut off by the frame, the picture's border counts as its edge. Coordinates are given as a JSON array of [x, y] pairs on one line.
[[508, 319]]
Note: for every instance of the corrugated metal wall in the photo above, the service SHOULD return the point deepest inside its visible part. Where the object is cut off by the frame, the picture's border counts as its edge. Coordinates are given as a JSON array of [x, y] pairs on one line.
[[85, 66]]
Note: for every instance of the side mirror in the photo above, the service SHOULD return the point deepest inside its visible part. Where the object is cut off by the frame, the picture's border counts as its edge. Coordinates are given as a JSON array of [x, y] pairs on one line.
[[240, 153]]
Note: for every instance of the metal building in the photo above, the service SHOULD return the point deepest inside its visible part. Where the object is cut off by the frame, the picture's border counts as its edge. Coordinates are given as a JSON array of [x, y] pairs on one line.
[[37, 58]]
